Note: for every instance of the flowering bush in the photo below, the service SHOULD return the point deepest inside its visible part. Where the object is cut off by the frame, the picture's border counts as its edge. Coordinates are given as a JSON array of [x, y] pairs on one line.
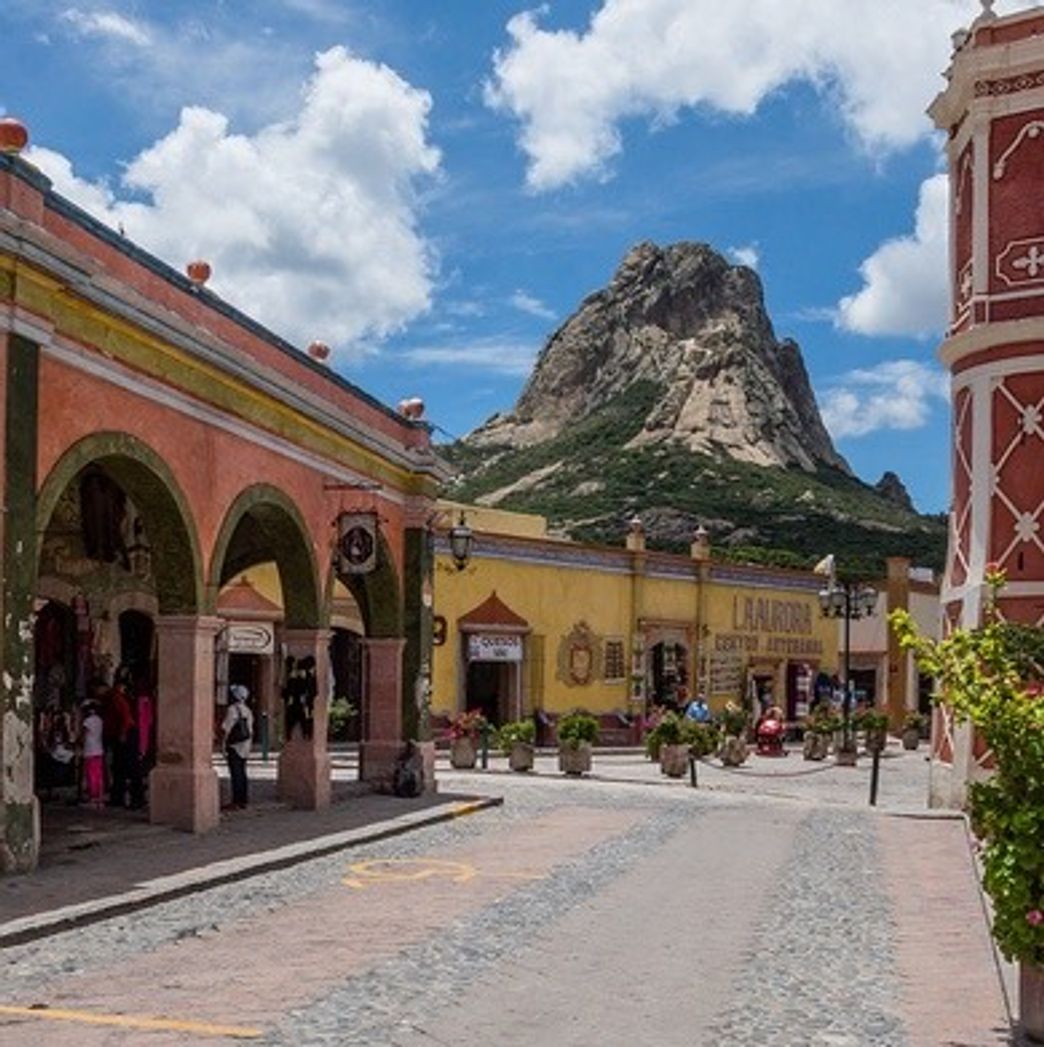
[[734, 720], [823, 720], [469, 724], [991, 678]]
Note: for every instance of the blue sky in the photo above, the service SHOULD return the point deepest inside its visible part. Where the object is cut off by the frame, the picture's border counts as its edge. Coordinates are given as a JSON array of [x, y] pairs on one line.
[[433, 187]]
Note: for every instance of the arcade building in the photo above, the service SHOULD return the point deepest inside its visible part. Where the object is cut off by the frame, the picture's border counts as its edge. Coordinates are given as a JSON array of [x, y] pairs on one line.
[[189, 502]]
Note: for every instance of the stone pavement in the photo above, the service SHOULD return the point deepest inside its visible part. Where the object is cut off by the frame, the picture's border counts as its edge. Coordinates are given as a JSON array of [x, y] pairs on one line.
[[580, 912], [89, 855]]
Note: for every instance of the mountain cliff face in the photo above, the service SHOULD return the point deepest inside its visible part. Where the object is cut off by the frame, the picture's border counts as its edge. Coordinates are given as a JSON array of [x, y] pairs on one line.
[[684, 319], [668, 396]]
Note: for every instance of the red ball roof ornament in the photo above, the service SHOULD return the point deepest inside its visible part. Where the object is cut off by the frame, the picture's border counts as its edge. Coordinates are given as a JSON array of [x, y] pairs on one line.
[[319, 351], [14, 136], [198, 272]]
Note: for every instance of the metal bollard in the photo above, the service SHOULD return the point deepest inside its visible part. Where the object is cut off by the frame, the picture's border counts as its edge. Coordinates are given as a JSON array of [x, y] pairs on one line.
[[692, 770], [264, 736], [485, 746], [875, 771]]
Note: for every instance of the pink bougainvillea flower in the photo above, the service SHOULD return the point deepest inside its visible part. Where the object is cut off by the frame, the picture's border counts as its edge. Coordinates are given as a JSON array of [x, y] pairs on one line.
[[1035, 917]]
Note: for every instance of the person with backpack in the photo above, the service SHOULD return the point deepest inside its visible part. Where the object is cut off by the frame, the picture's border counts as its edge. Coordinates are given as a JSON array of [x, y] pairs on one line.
[[238, 730]]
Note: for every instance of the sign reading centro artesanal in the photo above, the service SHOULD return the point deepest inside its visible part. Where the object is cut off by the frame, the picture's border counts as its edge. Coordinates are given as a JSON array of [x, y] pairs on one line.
[[787, 623], [491, 647]]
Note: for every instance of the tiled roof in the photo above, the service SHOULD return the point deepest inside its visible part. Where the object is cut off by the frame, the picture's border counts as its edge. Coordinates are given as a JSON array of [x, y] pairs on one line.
[[493, 611], [243, 598]]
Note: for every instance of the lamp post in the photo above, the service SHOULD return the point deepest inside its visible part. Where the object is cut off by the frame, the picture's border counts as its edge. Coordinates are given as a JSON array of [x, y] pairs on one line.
[[847, 600]]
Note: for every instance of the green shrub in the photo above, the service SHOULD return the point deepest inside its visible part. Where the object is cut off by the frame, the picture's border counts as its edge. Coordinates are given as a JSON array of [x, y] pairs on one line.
[[517, 731], [576, 728], [341, 713], [702, 739]]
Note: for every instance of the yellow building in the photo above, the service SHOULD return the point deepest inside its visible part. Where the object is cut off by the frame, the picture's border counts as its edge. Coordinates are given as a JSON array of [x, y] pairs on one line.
[[534, 623]]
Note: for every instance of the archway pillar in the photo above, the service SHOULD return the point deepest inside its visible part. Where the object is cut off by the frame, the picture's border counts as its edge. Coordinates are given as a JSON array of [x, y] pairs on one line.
[[382, 710], [303, 776], [183, 786]]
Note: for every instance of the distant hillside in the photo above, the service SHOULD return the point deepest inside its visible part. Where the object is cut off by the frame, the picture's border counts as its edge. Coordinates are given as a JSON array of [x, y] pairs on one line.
[[667, 395]]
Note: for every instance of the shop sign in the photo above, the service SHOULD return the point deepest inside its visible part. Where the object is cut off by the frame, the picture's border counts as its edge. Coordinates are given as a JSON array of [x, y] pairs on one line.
[[356, 543], [488, 647], [250, 638]]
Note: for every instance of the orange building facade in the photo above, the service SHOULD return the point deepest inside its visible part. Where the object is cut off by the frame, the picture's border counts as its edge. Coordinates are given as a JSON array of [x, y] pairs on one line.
[[155, 444]]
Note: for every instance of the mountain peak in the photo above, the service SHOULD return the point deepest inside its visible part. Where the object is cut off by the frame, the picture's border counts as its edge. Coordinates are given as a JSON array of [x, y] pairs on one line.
[[685, 319]]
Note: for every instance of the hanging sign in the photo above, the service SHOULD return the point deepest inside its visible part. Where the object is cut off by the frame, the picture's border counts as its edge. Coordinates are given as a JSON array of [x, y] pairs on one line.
[[250, 638], [356, 543], [488, 647]]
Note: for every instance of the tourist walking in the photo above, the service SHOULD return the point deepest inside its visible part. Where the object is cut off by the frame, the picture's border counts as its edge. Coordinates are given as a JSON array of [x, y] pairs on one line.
[[93, 755], [238, 730]]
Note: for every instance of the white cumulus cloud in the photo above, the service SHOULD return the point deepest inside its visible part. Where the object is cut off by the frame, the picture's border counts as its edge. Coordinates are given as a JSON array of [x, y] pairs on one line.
[[107, 24], [748, 255], [906, 280], [878, 62], [527, 303], [897, 394], [310, 224], [491, 354]]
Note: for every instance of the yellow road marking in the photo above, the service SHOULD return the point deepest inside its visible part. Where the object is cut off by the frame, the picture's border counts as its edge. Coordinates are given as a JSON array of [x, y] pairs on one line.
[[127, 1021], [463, 809], [410, 870]]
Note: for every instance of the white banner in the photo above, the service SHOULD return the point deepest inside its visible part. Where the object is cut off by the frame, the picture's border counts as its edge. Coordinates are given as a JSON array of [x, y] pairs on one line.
[[251, 638], [487, 647]]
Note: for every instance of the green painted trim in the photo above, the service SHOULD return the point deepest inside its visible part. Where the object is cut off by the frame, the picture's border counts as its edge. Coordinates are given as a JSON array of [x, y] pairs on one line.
[[417, 621], [18, 844], [151, 484], [303, 607]]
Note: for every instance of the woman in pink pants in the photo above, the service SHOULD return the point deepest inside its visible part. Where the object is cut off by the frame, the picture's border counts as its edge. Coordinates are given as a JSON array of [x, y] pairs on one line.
[[93, 756]]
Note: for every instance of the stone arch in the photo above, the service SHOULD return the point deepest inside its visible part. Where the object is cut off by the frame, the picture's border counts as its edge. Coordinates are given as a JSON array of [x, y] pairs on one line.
[[263, 524], [150, 483], [378, 593]]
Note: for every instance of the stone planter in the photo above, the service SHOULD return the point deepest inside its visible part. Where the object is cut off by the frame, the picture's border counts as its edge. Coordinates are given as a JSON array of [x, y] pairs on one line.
[[911, 739], [816, 746], [521, 757], [674, 760], [1031, 1000], [575, 761], [463, 754], [733, 752]]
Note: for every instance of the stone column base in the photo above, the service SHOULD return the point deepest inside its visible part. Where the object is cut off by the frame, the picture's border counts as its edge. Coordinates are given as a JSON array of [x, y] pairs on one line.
[[184, 798], [20, 836], [377, 763], [303, 776], [427, 751]]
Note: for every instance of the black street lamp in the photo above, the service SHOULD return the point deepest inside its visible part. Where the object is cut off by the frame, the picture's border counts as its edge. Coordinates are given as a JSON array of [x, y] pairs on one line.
[[847, 600], [460, 542]]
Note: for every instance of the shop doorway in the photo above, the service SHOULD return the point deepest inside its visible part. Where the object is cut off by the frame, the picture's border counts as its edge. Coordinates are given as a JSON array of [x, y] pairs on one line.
[[490, 688], [669, 675], [346, 666], [864, 687]]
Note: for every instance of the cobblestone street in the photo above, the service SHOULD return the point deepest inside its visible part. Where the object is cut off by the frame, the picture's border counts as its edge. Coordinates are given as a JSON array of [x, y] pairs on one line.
[[577, 913]]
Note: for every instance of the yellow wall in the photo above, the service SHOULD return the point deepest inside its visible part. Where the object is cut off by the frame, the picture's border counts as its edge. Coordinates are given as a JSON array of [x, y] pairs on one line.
[[620, 600]]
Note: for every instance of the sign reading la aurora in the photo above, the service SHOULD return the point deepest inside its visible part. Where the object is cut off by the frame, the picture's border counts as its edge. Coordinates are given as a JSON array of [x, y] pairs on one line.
[[755, 615], [788, 624]]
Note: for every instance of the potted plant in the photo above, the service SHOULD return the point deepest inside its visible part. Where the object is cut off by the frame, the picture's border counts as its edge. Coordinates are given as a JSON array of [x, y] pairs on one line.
[[874, 725], [516, 743], [820, 726], [913, 725], [993, 677], [701, 739], [674, 753], [577, 732], [734, 721], [464, 730]]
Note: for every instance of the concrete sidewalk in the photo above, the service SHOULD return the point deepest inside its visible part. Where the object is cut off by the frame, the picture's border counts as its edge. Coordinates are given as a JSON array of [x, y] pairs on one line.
[[99, 864]]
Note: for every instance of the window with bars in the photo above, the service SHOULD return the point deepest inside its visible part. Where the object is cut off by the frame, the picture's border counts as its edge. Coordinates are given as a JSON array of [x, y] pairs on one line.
[[615, 667]]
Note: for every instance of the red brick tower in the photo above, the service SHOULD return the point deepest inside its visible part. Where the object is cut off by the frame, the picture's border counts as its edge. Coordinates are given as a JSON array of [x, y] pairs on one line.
[[993, 113]]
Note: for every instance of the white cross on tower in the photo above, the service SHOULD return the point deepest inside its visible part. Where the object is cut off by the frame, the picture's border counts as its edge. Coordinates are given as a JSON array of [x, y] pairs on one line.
[[1032, 261]]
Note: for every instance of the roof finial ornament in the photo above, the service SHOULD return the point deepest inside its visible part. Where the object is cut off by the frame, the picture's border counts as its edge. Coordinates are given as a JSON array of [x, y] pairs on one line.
[[988, 13]]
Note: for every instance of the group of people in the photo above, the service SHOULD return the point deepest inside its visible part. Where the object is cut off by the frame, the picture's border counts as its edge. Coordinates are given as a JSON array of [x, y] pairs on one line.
[[106, 747]]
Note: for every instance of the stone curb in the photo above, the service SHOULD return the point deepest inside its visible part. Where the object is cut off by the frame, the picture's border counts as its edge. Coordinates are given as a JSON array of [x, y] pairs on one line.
[[228, 870]]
